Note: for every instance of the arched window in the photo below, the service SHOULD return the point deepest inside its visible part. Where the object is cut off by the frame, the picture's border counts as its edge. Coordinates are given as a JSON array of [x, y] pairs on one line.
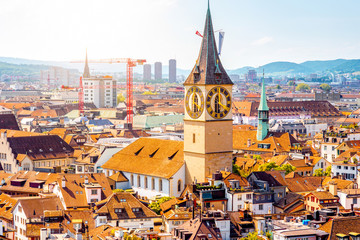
[[132, 180], [138, 181], [160, 185], [152, 183], [179, 186], [146, 183], [217, 104]]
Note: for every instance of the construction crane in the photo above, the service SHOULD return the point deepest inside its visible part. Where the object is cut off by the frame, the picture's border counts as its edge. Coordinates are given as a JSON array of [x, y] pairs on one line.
[[130, 63]]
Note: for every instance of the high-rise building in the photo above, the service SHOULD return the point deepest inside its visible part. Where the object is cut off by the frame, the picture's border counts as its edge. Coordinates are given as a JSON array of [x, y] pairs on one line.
[[172, 70], [208, 138], [58, 76], [100, 90], [251, 75], [158, 70], [147, 72]]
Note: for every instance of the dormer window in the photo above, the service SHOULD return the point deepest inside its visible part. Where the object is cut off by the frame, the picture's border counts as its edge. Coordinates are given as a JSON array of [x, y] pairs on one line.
[[136, 209], [118, 210]]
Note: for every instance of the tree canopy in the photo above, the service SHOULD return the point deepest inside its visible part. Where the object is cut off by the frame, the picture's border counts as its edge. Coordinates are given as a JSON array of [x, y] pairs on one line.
[[155, 206], [325, 87], [302, 87], [272, 165]]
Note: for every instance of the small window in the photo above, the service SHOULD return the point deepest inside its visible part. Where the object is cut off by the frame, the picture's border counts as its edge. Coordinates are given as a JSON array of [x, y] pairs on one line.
[[193, 137]]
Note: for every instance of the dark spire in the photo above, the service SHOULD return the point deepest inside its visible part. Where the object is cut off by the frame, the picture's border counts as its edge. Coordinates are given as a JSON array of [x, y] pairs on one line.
[[208, 68], [86, 73]]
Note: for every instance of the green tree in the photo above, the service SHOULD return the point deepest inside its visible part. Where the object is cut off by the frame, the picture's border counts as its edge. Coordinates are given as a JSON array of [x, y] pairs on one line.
[[120, 98], [251, 236], [278, 86], [325, 87], [328, 171], [319, 172], [302, 87], [272, 165], [268, 166], [291, 83], [287, 168], [155, 206]]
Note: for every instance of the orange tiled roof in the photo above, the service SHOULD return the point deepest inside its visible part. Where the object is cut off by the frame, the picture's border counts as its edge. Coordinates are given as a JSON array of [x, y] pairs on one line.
[[127, 202], [149, 156], [6, 205]]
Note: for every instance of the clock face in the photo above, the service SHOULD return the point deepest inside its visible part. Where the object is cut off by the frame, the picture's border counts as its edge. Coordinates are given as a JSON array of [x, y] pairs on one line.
[[194, 102], [218, 102]]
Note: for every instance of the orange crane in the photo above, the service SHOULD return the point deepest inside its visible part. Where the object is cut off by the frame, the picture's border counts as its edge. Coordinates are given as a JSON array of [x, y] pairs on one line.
[[130, 63]]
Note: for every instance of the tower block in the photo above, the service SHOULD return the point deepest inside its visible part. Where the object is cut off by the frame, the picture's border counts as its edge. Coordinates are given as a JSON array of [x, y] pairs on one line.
[[208, 141]]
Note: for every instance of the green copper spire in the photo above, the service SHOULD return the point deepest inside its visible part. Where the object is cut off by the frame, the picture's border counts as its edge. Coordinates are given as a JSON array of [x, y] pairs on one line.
[[263, 115], [263, 103]]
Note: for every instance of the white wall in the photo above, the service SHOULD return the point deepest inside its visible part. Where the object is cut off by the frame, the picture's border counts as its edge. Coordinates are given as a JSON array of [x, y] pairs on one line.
[[7, 158], [341, 170], [237, 199], [328, 151], [224, 227], [346, 202], [169, 186], [266, 206], [19, 219]]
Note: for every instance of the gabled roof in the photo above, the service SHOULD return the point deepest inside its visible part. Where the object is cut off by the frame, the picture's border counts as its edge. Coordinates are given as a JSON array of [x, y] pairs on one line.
[[344, 225], [118, 177], [242, 181], [341, 183], [35, 207], [149, 156], [278, 142], [303, 184], [322, 195], [208, 64], [273, 178], [126, 202], [290, 202], [201, 228], [40, 147], [165, 206], [8, 121], [74, 192], [29, 177], [6, 205]]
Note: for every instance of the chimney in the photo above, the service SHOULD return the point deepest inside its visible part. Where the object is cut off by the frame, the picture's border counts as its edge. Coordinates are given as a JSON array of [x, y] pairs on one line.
[[333, 188], [248, 142], [86, 181], [63, 182], [43, 234], [62, 120]]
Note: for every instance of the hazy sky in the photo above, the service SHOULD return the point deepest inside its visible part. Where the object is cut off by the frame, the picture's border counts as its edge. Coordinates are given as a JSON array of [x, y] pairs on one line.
[[256, 31]]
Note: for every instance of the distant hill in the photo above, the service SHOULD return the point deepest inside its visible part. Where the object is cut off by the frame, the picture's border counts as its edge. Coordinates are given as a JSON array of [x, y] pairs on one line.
[[28, 66], [284, 67], [349, 66], [20, 69], [322, 66]]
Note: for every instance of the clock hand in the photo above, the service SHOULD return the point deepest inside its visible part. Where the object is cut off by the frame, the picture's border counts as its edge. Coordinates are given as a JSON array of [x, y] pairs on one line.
[[225, 107], [196, 104]]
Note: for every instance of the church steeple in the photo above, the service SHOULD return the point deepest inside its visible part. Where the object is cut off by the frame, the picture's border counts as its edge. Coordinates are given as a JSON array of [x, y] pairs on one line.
[[263, 115], [208, 139], [208, 68], [86, 73]]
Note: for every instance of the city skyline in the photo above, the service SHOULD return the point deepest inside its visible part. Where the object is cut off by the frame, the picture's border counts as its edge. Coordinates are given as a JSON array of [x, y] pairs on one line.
[[255, 33]]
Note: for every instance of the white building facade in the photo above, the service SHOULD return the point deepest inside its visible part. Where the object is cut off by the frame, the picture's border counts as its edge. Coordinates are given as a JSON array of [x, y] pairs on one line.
[[100, 90]]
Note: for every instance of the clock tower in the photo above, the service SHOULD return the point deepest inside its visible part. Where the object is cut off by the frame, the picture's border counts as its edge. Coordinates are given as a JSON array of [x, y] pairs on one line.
[[208, 140]]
